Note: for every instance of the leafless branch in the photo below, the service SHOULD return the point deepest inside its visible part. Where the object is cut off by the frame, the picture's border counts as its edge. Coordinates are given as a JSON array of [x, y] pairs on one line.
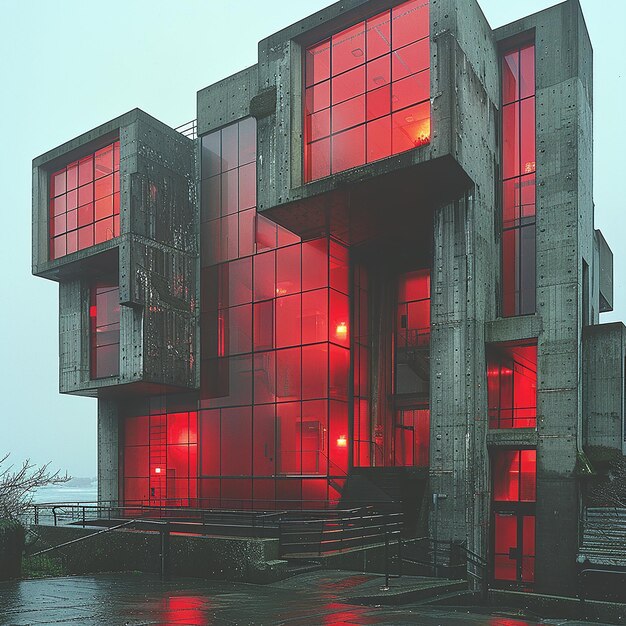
[[18, 485]]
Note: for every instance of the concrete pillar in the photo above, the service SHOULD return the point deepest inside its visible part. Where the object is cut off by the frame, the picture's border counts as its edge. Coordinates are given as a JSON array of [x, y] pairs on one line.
[[108, 451]]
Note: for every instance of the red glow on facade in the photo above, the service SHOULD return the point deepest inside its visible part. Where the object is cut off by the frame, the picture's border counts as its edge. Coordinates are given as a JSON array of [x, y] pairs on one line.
[[512, 385], [341, 331], [104, 318], [514, 495], [367, 91], [85, 202]]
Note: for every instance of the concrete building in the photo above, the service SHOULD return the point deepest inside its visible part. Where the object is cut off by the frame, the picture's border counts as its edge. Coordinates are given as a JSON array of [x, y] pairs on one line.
[[372, 277]]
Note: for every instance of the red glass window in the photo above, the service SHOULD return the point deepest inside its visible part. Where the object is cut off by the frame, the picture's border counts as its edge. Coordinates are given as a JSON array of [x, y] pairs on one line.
[[161, 459], [515, 476], [518, 182], [85, 202], [104, 316], [512, 385], [367, 91], [275, 336]]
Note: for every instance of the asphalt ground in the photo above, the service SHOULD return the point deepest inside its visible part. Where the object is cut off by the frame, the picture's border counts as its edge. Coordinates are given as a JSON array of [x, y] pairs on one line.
[[308, 599]]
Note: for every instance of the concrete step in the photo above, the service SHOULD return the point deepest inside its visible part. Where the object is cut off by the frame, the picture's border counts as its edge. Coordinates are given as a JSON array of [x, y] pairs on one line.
[[302, 566]]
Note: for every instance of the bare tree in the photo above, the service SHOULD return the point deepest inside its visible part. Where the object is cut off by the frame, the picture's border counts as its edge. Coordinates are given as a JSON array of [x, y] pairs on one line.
[[18, 485]]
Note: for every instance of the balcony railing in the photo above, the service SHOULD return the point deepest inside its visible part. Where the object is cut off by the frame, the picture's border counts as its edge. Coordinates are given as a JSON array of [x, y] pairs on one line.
[[189, 129]]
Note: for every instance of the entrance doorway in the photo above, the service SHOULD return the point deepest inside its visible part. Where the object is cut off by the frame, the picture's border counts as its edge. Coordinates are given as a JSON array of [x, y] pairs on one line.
[[514, 486]]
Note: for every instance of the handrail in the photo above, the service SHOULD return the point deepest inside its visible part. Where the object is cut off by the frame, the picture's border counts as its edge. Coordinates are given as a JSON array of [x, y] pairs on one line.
[[100, 532]]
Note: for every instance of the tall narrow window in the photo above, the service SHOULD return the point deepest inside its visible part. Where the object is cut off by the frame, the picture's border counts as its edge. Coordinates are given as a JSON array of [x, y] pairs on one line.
[[512, 385], [514, 496], [104, 314], [411, 437], [85, 202], [367, 91], [518, 182]]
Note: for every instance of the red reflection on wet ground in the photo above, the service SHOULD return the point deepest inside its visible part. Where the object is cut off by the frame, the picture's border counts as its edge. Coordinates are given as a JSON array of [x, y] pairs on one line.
[[192, 610], [507, 621], [346, 614], [347, 583]]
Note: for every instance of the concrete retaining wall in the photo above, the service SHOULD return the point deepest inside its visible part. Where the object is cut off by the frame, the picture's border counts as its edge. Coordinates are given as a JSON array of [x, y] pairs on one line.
[[223, 558]]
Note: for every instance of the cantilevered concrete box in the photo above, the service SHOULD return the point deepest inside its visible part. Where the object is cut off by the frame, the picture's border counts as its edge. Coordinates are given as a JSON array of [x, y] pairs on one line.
[[361, 201], [154, 259]]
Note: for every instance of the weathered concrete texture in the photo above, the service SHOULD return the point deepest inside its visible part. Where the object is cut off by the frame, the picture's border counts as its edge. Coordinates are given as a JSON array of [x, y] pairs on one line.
[[223, 558], [108, 451], [462, 74], [463, 277], [605, 273], [604, 351], [459, 460], [227, 101], [155, 258], [564, 240]]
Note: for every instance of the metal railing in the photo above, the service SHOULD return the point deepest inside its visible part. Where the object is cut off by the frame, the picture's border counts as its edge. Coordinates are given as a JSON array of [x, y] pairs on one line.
[[163, 528], [189, 129], [452, 558], [350, 529]]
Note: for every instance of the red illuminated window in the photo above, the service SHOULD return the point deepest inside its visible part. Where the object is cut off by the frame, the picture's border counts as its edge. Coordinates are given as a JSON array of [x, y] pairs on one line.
[[512, 385], [518, 182], [367, 91], [85, 202], [161, 459], [413, 311], [514, 479], [515, 476], [275, 338], [104, 316]]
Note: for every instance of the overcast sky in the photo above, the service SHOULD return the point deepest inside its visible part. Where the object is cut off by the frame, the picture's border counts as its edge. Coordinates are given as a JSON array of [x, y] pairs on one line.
[[67, 66]]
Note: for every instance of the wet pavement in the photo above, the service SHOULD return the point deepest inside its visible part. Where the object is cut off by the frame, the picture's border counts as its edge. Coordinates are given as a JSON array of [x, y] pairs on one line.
[[141, 599]]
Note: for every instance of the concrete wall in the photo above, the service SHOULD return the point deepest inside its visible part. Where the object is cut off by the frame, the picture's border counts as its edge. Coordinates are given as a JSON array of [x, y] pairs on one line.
[[604, 354], [220, 558], [463, 294], [155, 258], [108, 451], [564, 239]]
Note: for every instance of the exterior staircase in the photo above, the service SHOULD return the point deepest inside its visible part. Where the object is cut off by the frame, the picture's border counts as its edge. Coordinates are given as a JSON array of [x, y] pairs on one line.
[[604, 537]]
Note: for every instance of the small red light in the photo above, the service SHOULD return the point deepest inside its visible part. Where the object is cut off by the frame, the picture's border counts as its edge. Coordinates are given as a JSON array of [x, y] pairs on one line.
[[342, 441], [342, 330], [93, 311], [157, 470]]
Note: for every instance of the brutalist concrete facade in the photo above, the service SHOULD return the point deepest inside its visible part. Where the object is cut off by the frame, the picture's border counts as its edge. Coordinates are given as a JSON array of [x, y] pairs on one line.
[[438, 205]]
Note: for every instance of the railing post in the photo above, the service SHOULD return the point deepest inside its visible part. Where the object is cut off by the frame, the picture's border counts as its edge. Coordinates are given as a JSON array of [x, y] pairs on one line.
[[83, 516], [386, 558], [36, 515], [165, 551], [54, 514]]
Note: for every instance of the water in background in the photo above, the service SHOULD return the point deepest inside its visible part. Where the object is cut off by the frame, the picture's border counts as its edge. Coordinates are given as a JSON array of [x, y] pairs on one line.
[[67, 493]]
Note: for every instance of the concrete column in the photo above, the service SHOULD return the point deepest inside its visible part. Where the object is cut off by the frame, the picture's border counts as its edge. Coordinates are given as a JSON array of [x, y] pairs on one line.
[[108, 451], [459, 462]]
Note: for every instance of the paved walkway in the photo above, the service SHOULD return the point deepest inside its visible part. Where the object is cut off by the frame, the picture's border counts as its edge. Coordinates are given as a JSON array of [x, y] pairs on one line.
[[141, 599]]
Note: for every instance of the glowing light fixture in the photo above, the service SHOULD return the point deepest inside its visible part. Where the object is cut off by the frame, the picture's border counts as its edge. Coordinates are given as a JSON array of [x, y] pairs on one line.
[[341, 331], [342, 441], [157, 470]]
